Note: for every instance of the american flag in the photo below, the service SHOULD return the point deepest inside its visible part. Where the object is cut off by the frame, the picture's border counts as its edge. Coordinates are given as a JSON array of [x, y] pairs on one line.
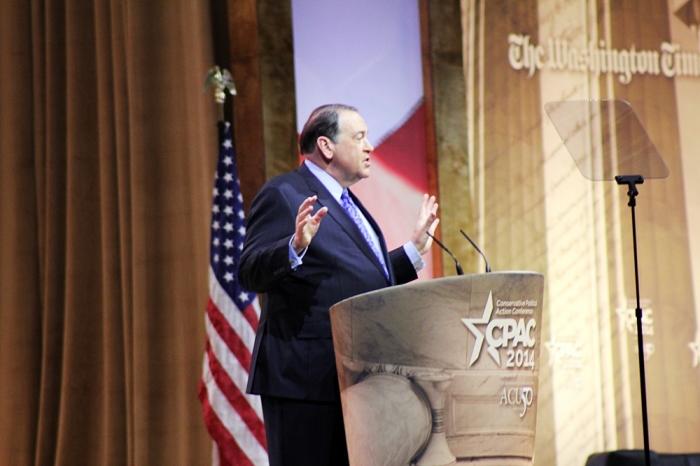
[[234, 419]]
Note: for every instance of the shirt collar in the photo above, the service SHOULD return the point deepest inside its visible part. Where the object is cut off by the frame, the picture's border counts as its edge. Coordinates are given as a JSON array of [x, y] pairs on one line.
[[330, 183]]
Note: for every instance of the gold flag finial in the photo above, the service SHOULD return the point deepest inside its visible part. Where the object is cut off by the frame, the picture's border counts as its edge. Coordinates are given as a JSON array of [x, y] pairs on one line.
[[222, 81]]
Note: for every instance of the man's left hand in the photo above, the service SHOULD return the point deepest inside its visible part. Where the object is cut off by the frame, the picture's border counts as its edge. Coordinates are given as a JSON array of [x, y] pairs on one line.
[[427, 222]]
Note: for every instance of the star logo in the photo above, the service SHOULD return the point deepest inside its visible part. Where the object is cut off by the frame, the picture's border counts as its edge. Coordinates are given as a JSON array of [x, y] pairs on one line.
[[554, 355], [471, 324], [695, 348]]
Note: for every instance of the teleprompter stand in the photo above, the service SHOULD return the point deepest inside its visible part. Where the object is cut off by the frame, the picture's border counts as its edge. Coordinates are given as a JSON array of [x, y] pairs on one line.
[[607, 141], [632, 181]]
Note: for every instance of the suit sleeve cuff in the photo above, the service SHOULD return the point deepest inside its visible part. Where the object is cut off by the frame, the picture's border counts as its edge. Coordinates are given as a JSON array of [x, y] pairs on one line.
[[414, 256], [295, 260]]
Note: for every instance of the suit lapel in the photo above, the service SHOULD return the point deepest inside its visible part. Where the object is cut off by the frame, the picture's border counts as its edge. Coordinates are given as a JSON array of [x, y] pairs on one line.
[[338, 214]]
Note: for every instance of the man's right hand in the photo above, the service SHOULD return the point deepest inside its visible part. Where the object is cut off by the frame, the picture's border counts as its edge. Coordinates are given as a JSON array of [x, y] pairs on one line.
[[307, 224]]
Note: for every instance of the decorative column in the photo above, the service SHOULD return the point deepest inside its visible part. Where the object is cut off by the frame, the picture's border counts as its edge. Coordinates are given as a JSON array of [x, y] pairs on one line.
[[437, 452]]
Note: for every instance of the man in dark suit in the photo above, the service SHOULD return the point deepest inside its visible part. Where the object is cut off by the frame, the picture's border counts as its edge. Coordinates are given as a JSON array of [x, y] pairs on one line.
[[310, 244]]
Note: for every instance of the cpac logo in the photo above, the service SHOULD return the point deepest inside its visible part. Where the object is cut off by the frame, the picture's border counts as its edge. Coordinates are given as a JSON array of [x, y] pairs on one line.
[[500, 333]]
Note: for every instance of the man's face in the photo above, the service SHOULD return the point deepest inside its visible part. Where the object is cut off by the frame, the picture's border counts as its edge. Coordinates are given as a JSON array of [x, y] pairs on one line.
[[350, 161]]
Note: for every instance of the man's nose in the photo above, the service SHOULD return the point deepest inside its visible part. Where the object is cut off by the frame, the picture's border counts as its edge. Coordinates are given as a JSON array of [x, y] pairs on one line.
[[368, 146]]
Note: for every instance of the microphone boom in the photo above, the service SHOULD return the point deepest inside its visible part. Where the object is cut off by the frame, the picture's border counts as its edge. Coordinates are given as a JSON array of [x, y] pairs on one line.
[[488, 268], [457, 266]]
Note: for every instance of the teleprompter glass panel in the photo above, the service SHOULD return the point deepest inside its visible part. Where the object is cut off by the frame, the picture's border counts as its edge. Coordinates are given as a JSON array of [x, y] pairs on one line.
[[606, 139]]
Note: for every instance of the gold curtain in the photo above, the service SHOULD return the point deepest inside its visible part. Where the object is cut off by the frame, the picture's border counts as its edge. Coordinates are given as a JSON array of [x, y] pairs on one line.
[[107, 152]]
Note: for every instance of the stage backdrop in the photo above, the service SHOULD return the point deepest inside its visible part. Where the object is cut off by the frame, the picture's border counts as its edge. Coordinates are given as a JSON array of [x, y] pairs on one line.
[[537, 211], [367, 54], [532, 207]]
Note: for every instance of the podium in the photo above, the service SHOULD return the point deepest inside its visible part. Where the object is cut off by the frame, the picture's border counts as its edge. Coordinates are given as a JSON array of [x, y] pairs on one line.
[[441, 372]]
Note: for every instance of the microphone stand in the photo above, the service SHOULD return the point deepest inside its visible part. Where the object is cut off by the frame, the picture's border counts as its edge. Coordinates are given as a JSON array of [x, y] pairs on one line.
[[632, 181], [458, 267], [488, 267]]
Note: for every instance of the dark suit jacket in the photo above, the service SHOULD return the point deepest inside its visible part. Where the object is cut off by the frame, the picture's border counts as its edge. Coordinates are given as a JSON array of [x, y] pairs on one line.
[[293, 354]]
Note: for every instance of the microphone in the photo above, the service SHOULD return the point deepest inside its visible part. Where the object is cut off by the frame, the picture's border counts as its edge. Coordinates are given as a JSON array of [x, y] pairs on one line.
[[488, 268], [457, 266]]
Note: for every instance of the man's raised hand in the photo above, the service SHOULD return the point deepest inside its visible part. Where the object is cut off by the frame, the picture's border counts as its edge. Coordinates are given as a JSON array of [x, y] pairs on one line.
[[307, 224], [427, 222]]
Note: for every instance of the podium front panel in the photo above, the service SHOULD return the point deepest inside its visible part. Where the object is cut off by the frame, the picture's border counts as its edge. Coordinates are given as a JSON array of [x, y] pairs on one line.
[[470, 343]]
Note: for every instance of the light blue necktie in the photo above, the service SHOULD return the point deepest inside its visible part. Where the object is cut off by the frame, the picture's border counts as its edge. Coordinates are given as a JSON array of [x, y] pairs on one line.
[[356, 216]]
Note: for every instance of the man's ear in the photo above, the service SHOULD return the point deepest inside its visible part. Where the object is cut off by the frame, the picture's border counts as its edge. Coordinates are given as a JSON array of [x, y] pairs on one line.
[[325, 146]]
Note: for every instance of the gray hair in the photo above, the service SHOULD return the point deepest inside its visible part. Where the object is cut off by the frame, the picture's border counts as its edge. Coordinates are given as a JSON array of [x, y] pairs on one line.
[[322, 122]]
